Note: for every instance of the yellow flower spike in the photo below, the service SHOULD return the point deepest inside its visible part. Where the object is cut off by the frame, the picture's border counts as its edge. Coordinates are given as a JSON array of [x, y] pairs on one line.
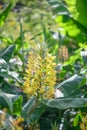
[[83, 124], [40, 76]]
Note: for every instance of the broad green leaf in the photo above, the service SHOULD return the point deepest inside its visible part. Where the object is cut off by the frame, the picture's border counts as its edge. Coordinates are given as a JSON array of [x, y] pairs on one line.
[[5, 13], [6, 54], [28, 106], [7, 101], [66, 21], [78, 9], [65, 103], [71, 85], [38, 112]]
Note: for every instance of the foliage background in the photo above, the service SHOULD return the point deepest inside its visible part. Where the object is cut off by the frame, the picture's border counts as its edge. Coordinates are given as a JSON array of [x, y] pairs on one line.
[[59, 24]]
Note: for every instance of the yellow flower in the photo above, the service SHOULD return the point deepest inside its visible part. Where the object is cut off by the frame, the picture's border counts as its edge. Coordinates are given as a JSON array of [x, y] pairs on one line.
[[18, 123], [83, 124], [40, 77]]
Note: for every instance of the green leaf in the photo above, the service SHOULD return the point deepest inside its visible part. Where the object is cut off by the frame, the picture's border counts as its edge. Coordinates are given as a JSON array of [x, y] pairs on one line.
[[4, 73], [38, 112], [18, 44], [67, 21], [77, 119], [28, 106], [33, 109], [10, 101], [70, 85], [17, 106], [58, 7], [6, 40], [78, 9], [72, 59], [51, 42], [3, 63], [5, 13], [7, 101], [65, 103], [6, 54], [84, 56]]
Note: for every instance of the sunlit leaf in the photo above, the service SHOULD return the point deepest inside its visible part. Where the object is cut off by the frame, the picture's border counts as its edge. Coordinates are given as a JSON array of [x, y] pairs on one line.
[[5, 13], [17, 106], [78, 10]]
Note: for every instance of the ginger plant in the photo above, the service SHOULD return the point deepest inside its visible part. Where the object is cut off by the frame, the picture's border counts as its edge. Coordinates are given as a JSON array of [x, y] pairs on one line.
[[40, 76]]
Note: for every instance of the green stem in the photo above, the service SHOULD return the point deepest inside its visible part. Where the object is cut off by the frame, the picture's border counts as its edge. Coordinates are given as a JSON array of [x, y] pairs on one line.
[[22, 41], [33, 108]]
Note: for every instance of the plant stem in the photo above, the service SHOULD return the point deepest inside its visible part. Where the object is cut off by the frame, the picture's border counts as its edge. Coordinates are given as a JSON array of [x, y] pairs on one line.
[[34, 107], [22, 41]]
